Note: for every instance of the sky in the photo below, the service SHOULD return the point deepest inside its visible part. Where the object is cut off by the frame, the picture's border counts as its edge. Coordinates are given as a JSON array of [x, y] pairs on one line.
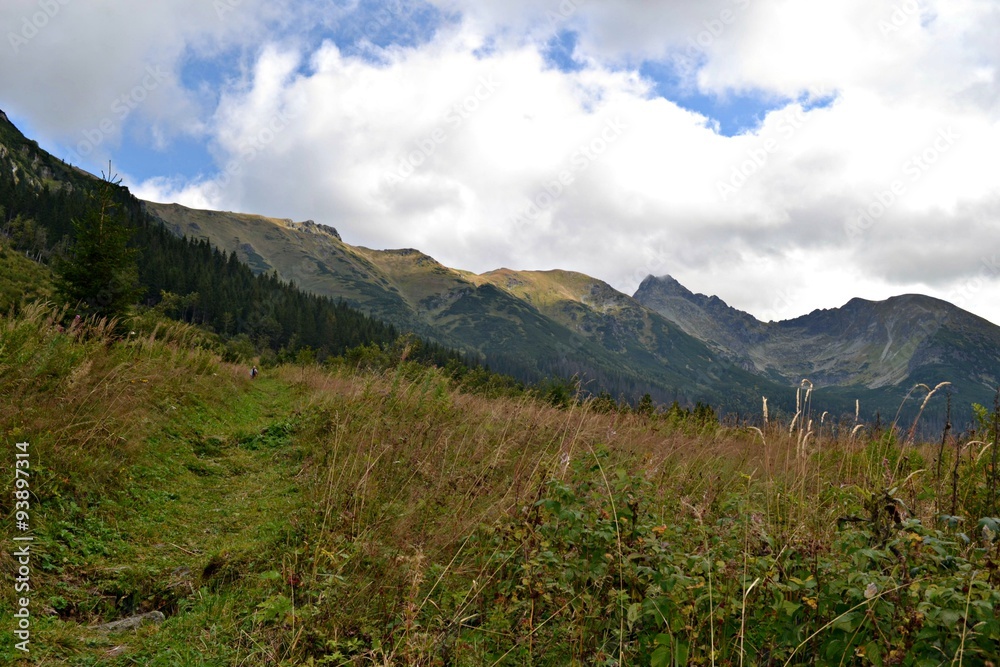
[[785, 155]]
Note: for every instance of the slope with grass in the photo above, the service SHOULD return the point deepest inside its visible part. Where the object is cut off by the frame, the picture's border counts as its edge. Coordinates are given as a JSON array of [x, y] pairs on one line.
[[21, 279], [311, 255], [141, 475], [324, 516], [646, 341]]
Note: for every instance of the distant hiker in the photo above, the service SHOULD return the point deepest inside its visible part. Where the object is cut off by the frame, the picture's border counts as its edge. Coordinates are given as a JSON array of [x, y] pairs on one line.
[[253, 372]]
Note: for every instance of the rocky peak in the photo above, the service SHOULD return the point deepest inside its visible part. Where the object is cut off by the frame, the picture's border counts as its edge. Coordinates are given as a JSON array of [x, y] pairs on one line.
[[316, 228], [664, 285]]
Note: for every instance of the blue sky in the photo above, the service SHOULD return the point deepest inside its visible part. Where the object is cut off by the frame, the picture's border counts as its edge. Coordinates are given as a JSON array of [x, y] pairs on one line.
[[783, 155]]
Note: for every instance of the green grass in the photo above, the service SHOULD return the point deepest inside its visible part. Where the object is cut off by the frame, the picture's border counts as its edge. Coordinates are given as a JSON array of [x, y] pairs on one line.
[[21, 278], [342, 518], [145, 495]]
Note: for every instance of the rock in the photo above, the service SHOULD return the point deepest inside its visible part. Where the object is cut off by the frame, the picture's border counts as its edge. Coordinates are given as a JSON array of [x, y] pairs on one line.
[[133, 622]]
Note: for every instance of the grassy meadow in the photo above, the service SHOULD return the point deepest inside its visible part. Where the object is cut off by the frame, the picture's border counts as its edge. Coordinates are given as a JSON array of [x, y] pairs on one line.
[[343, 516]]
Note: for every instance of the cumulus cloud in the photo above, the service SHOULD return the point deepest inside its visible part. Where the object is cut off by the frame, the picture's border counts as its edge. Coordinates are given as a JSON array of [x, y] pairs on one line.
[[471, 145], [85, 72]]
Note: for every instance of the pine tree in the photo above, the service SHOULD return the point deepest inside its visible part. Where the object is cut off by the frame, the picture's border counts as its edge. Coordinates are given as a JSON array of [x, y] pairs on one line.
[[99, 273]]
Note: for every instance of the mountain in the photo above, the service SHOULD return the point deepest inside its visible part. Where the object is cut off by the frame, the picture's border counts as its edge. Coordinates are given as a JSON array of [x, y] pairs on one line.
[[884, 347], [726, 330], [531, 324]]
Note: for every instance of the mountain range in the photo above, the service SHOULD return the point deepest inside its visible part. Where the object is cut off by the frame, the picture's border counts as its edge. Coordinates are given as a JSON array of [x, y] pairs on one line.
[[663, 340], [531, 324]]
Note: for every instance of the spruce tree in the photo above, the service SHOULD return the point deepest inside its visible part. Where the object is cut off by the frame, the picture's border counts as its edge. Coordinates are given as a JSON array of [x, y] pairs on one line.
[[99, 274]]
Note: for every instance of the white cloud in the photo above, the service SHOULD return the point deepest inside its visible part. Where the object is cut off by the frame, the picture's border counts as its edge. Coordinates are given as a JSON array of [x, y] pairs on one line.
[[475, 150], [81, 70]]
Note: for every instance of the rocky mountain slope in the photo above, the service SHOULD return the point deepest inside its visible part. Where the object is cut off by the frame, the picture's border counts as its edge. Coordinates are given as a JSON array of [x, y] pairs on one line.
[[878, 346], [523, 322]]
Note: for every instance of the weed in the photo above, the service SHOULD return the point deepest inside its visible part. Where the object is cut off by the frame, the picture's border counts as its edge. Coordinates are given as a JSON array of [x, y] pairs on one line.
[[344, 516]]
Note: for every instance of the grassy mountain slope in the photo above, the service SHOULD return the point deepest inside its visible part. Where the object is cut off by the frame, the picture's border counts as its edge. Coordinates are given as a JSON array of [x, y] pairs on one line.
[[618, 323], [623, 344], [311, 255], [337, 518], [556, 322], [404, 287], [874, 344], [21, 279]]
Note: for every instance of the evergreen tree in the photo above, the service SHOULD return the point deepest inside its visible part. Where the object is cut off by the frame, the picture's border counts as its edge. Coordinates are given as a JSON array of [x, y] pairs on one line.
[[99, 271]]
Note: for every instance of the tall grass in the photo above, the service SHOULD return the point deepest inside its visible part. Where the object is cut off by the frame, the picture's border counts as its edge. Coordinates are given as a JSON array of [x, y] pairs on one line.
[[436, 527], [85, 396], [453, 529]]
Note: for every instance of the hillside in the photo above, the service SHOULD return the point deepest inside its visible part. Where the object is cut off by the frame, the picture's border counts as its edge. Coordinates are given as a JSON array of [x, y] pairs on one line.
[[625, 349], [311, 255], [187, 279], [349, 518]]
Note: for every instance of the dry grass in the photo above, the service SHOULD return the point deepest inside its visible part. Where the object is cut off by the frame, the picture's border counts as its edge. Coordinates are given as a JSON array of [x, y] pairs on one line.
[[88, 397], [411, 490], [502, 449], [407, 473]]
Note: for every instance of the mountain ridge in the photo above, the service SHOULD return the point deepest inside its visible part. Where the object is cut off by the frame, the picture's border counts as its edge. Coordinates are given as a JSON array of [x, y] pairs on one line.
[[864, 343], [664, 339], [871, 346], [559, 321]]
